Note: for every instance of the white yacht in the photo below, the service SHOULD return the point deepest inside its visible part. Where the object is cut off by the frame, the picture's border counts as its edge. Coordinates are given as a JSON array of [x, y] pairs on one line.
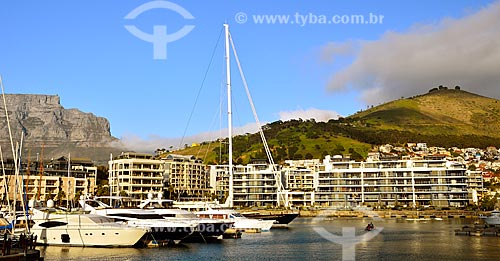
[[83, 230], [160, 229], [241, 223], [493, 219], [208, 229]]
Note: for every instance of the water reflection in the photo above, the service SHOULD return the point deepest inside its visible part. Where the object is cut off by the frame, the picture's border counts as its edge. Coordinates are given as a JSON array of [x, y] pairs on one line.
[[399, 240]]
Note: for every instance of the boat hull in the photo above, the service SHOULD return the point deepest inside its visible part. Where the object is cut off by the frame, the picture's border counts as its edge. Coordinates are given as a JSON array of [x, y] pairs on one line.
[[90, 237], [282, 219]]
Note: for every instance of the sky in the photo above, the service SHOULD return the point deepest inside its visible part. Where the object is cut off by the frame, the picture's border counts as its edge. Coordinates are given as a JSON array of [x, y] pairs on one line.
[[155, 69]]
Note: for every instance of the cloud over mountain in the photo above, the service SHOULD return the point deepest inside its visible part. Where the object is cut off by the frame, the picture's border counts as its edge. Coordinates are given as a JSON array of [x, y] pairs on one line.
[[464, 52], [312, 113]]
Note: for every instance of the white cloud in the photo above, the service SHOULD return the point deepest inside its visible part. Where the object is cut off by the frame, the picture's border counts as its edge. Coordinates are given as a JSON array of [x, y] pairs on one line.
[[464, 52], [312, 113], [135, 143]]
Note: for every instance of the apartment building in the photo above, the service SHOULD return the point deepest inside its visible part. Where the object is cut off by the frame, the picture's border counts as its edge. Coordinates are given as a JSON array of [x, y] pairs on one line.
[[256, 184], [219, 181], [187, 176], [59, 179], [435, 182], [138, 174], [135, 175]]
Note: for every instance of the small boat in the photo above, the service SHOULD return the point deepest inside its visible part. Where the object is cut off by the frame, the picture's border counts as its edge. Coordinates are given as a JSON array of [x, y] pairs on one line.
[[281, 219], [241, 223], [493, 219], [370, 227], [83, 230]]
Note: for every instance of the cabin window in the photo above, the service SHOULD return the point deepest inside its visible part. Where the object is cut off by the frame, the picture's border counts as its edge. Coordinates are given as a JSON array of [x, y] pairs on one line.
[[50, 224]]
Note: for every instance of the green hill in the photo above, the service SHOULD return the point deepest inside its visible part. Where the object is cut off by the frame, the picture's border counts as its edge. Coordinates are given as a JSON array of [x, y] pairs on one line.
[[445, 118], [452, 112]]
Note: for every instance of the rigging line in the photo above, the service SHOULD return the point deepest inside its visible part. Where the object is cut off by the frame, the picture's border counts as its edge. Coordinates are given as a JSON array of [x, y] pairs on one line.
[[7, 116], [5, 180], [208, 136], [264, 141], [218, 111], [199, 90]]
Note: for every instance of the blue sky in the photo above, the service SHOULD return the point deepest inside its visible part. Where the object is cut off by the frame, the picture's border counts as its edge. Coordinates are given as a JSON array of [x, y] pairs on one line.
[[81, 51]]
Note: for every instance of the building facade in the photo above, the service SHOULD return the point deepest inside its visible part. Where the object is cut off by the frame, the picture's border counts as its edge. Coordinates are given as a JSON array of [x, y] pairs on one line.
[[138, 174], [187, 177], [135, 175], [435, 182], [343, 183], [62, 179]]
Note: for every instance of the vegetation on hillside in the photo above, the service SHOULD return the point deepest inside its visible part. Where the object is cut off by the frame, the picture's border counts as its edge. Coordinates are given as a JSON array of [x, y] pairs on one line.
[[444, 118]]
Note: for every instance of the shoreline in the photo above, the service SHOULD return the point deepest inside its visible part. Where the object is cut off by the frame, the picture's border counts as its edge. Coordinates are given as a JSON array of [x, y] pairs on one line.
[[414, 214]]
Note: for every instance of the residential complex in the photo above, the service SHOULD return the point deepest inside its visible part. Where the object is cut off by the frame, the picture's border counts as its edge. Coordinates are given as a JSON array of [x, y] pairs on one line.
[[186, 176], [138, 174], [60, 179], [329, 182], [135, 175], [340, 182]]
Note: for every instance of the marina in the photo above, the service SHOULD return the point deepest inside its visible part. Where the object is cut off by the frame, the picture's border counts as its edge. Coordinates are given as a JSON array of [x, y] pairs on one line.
[[337, 190], [396, 239]]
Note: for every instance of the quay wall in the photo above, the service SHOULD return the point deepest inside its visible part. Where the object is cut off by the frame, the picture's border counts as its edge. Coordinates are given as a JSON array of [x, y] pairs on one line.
[[444, 214]]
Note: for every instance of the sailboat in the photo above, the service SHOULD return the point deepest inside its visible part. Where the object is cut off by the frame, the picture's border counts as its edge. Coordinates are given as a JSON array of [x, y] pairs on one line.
[[281, 193], [262, 222]]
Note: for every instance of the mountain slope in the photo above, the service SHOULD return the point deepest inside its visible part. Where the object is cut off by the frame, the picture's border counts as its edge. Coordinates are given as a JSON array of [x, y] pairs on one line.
[[443, 118], [451, 112], [59, 131]]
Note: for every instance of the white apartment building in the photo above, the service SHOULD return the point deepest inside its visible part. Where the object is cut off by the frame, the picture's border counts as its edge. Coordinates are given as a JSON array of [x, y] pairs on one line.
[[340, 182], [136, 175], [389, 183], [187, 176], [254, 184]]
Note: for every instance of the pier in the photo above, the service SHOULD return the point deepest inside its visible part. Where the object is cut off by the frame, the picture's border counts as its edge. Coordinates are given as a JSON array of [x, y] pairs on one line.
[[478, 230]]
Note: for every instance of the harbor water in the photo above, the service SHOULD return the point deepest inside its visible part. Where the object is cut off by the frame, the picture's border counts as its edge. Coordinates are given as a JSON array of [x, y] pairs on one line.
[[393, 239]]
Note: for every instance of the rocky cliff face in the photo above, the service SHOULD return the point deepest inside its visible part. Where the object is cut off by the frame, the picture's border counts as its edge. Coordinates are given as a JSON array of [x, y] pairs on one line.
[[46, 123]]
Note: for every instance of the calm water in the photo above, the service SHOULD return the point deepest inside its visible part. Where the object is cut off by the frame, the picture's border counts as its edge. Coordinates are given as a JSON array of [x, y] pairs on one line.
[[398, 240]]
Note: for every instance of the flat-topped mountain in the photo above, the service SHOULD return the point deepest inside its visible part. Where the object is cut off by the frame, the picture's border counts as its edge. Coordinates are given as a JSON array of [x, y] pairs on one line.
[[58, 130]]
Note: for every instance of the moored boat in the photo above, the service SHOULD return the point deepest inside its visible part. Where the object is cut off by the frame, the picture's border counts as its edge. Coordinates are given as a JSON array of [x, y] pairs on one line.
[[241, 223], [493, 218], [207, 229], [282, 219], [161, 230], [83, 230]]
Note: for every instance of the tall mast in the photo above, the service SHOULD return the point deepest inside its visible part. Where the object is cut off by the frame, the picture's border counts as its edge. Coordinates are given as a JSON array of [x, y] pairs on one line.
[[229, 115], [67, 191]]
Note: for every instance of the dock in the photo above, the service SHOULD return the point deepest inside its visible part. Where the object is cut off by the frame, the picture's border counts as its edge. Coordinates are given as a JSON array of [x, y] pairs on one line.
[[478, 230]]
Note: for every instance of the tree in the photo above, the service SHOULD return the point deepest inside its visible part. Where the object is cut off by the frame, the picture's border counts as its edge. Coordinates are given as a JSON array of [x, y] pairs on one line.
[[60, 196], [488, 202], [102, 190]]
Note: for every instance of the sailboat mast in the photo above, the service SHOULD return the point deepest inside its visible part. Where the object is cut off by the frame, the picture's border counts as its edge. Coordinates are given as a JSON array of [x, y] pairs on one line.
[[229, 115]]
